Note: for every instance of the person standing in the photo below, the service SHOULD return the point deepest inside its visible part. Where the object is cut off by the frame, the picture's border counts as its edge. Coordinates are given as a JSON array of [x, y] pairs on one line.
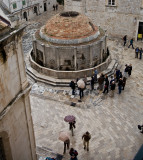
[[125, 39], [112, 85], [120, 83], [54, 7], [86, 137], [141, 51], [66, 145], [72, 85], [106, 86], [130, 69], [85, 80], [117, 74], [136, 52], [92, 83], [95, 75], [101, 82], [124, 83], [73, 153], [126, 71]]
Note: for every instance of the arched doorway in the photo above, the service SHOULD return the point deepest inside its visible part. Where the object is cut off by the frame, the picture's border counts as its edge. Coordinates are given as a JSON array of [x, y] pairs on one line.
[[5, 150], [45, 7], [35, 10], [25, 16]]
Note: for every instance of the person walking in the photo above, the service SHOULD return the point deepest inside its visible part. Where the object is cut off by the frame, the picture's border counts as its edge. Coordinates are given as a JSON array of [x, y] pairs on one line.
[[92, 83], [112, 86], [125, 39], [140, 127], [130, 70], [86, 137], [101, 82], [131, 43], [136, 52], [123, 83], [72, 85], [141, 51], [120, 83], [54, 7], [71, 126], [73, 153], [66, 145]]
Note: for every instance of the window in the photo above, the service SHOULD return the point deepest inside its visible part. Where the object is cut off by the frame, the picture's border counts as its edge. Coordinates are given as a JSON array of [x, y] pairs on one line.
[[111, 2], [14, 5], [23, 2]]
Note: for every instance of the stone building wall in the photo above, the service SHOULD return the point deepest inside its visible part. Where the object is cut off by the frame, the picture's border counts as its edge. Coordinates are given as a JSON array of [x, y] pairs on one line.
[[16, 126], [121, 19]]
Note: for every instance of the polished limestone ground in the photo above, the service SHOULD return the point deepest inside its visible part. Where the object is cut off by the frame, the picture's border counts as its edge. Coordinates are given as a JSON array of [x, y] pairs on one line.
[[112, 122]]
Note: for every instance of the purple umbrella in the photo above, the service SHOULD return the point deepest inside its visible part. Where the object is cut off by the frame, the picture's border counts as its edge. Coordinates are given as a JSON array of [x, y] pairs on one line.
[[69, 118]]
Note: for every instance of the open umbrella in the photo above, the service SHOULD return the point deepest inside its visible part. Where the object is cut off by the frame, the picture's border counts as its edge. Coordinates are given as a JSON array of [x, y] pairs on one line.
[[63, 136], [81, 84], [69, 118]]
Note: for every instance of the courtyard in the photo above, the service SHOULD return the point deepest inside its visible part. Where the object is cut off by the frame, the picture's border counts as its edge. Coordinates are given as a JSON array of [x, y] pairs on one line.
[[112, 122]]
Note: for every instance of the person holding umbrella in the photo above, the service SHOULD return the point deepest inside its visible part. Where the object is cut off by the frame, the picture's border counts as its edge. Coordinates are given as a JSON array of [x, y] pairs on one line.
[[71, 120], [65, 138], [81, 86]]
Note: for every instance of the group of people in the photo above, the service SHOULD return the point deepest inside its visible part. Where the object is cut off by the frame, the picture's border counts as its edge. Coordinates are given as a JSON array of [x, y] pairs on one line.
[[55, 7], [73, 153], [138, 53], [131, 42], [118, 78]]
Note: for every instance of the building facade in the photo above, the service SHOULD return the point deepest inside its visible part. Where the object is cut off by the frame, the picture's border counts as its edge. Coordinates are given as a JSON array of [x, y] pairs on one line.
[[27, 9], [118, 17], [17, 140]]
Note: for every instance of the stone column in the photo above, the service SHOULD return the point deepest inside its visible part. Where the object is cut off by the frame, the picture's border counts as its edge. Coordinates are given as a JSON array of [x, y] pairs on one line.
[[75, 59], [44, 59], [34, 49], [91, 56], [57, 58]]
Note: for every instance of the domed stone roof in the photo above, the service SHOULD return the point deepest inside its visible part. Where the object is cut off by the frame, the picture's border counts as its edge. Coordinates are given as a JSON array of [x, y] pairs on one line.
[[69, 26]]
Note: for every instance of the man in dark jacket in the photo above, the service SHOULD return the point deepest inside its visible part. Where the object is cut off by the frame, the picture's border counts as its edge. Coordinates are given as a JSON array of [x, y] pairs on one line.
[[92, 83], [117, 74], [112, 85], [129, 69], [72, 85], [86, 137], [101, 82], [125, 39], [120, 83], [106, 86]]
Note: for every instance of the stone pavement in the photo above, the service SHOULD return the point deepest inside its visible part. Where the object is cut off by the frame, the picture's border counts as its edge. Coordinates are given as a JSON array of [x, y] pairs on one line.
[[112, 122]]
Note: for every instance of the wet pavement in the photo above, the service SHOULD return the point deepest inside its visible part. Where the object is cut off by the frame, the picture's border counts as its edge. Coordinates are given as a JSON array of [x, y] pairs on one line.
[[112, 122]]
